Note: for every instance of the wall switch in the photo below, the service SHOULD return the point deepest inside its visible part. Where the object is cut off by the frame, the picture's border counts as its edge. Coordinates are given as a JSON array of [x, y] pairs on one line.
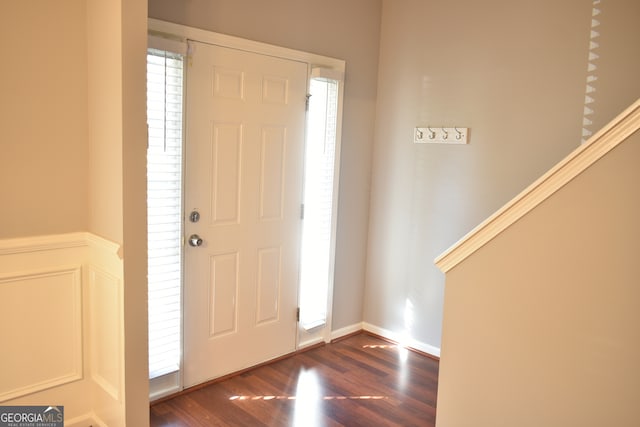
[[433, 135]]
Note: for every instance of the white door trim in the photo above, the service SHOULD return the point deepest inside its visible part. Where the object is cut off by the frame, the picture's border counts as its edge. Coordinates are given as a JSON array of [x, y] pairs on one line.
[[177, 32]]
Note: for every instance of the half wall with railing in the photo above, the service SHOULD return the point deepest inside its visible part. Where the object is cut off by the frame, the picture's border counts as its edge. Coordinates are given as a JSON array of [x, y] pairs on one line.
[[542, 305]]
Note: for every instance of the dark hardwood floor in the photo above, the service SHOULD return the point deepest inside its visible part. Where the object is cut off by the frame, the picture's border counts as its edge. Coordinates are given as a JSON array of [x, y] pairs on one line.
[[358, 381]]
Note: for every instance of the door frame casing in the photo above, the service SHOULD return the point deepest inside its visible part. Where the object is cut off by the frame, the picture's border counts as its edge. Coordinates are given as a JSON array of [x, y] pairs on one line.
[[181, 33], [177, 34]]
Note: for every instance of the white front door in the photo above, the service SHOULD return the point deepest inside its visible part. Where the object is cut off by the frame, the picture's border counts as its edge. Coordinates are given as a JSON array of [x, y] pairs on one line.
[[243, 176]]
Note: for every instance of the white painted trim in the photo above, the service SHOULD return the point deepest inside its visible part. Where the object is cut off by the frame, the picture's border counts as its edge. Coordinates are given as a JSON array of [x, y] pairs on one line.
[[42, 243], [571, 166], [165, 385], [99, 333], [84, 421], [342, 332], [311, 342], [402, 340], [166, 44], [326, 73], [103, 244], [56, 241], [184, 33], [335, 202]]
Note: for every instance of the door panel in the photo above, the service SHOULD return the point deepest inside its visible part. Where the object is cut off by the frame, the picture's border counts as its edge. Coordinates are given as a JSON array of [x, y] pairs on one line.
[[272, 174], [269, 261], [225, 174], [223, 295], [244, 161]]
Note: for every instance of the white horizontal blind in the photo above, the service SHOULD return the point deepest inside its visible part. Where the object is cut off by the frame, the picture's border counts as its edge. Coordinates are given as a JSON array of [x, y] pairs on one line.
[[320, 161], [164, 201]]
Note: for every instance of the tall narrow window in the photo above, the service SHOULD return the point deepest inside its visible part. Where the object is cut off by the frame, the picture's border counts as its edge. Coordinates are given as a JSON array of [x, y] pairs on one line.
[[319, 202], [164, 200]]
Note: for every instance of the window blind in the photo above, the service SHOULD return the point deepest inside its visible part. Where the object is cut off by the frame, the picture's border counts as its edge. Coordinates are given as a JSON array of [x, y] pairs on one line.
[[164, 211], [315, 266]]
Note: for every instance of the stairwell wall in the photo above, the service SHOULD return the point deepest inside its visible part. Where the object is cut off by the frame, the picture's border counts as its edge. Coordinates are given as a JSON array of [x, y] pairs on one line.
[[541, 323]]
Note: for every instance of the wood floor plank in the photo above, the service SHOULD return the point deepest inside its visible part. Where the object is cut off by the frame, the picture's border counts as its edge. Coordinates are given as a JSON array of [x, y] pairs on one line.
[[359, 381]]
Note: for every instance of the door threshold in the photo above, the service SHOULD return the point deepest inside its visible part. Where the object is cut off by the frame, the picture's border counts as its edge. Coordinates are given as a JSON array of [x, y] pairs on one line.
[[235, 374]]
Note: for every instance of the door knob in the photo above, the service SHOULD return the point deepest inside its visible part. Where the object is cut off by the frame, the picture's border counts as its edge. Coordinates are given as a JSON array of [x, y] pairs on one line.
[[195, 240]]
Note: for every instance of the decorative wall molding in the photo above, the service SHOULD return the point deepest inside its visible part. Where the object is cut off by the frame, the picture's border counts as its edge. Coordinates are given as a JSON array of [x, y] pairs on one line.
[[105, 321], [41, 318], [63, 291], [104, 301], [55, 242], [42, 243], [101, 244], [580, 159]]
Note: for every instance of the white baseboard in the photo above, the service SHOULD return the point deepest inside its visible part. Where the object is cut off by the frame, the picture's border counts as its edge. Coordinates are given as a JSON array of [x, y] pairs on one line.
[[339, 333], [410, 342], [86, 420], [164, 385], [304, 344]]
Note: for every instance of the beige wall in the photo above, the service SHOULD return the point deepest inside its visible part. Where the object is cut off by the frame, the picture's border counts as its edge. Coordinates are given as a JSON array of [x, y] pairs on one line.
[[43, 149], [513, 72], [104, 65], [541, 324], [346, 30]]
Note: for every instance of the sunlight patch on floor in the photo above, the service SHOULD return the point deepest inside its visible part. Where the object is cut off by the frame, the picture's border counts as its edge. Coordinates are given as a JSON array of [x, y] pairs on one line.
[[403, 351], [384, 346], [266, 397]]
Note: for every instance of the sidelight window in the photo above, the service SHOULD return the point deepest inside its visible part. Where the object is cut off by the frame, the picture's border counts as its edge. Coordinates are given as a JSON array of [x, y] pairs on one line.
[[164, 211], [320, 206]]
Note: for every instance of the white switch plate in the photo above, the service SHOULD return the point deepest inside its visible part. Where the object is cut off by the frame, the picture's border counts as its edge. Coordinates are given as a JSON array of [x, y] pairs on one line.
[[433, 135]]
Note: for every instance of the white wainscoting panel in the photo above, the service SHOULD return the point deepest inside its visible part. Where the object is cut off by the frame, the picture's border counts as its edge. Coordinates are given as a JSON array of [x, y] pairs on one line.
[[61, 326], [41, 329], [105, 320]]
